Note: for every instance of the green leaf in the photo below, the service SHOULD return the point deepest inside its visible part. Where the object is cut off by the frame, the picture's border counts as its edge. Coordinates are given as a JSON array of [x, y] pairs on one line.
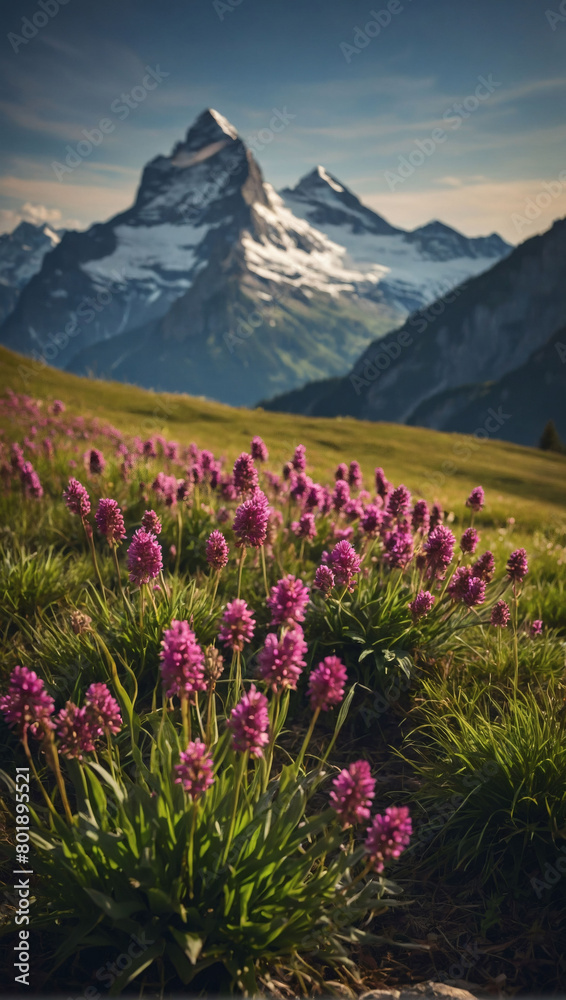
[[110, 907], [191, 944], [139, 963]]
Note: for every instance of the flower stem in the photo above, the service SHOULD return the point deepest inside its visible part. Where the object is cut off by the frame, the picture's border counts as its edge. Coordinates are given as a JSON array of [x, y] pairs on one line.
[[119, 578], [515, 637], [307, 739], [53, 759], [240, 567], [90, 539], [179, 539], [264, 570], [186, 716], [240, 765], [27, 752], [192, 849]]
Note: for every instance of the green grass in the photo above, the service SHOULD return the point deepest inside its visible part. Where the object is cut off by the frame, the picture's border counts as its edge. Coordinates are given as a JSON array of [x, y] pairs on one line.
[[435, 709], [527, 484]]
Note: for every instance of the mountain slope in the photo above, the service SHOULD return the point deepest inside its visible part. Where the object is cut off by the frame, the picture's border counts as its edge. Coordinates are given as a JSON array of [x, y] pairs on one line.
[[527, 397], [484, 330], [21, 256]]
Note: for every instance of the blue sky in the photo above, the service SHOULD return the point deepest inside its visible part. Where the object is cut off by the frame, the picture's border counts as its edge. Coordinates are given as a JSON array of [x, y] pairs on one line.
[[355, 112]]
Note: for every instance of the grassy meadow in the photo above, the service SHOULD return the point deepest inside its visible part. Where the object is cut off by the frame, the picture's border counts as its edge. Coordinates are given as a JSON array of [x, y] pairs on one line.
[[397, 691]]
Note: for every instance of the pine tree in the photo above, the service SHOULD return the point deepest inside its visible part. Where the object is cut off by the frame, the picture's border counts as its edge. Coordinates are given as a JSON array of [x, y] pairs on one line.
[[550, 438]]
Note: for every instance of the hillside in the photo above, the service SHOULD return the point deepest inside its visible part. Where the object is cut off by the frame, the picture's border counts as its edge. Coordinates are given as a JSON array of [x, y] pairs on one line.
[[529, 484], [487, 328]]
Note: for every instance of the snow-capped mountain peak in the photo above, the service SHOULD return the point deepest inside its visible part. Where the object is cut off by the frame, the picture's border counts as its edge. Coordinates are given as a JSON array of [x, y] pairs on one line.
[[21, 256], [207, 242], [413, 268]]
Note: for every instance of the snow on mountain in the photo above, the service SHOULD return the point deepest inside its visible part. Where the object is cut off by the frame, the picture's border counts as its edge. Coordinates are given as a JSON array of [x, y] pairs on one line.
[[413, 268], [21, 256]]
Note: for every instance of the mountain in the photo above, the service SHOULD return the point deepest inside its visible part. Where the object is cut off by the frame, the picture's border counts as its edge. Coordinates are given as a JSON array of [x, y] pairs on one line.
[[209, 284], [21, 256], [434, 368], [415, 267], [525, 398]]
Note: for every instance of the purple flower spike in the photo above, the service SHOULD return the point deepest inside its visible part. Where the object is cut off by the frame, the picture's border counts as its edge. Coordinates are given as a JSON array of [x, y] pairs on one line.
[[288, 601], [305, 527], [476, 499], [259, 450], [345, 564], [536, 628], [371, 520], [103, 710], [299, 460], [388, 836], [517, 565], [217, 550], [245, 474], [31, 482], [324, 579], [249, 723], [352, 794], [76, 498], [399, 502], [109, 521], [251, 520], [466, 588], [26, 704], [75, 731], [238, 625], [399, 547], [420, 518], [145, 559], [422, 604], [469, 541], [151, 522], [355, 478], [195, 770], [500, 614], [439, 550], [281, 661], [326, 684], [95, 461], [484, 567], [182, 661], [382, 484]]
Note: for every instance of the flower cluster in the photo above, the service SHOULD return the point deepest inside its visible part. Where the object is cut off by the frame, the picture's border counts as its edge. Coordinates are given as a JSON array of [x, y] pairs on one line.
[[238, 624], [182, 661], [251, 519], [326, 684], [288, 601], [388, 836], [195, 770], [249, 723], [110, 521], [145, 558], [352, 793], [281, 661]]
